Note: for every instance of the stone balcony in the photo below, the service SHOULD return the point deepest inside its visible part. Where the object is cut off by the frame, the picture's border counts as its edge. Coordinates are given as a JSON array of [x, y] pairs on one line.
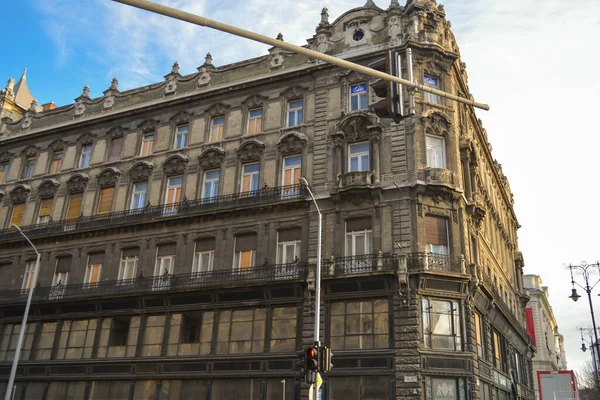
[[352, 180], [439, 176]]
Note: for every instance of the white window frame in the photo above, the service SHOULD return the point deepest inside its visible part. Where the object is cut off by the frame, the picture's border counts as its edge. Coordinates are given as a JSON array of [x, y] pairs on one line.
[[213, 125], [181, 136], [128, 266], [284, 247], [135, 192], [61, 277], [436, 155], [254, 176], [367, 234], [456, 330], [86, 156], [253, 119], [295, 113], [360, 156], [237, 259], [145, 139], [432, 82], [88, 273], [199, 261], [171, 185], [28, 172], [159, 268], [214, 185], [361, 97], [4, 168], [28, 275]]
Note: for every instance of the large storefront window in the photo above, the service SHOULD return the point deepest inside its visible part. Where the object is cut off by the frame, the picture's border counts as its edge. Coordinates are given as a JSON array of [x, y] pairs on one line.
[[183, 390], [359, 388], [441, 324], [360, 325], [114, 390], [76, 339], [8, 342], [119, 337], [236, 389], [66, 391], [241, 331], [153, 335], [190, 334], [444, 388], [283, 329], [144, 390], [45, 341]]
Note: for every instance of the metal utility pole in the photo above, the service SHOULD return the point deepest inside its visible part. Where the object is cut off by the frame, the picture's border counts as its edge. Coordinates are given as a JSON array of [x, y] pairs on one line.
[[202, 21], [13, 368]]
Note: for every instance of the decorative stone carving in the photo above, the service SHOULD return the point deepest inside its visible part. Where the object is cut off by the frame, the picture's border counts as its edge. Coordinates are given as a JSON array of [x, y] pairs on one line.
[[359, 126], [19, 194], [109, 101], [48, 188], [250, 150], [204, 70], [148, 125], [292, 143], [27, 121], [175, 165], [77, 183], [294, 92], [140, 171], [217, 109], [108, 177], [109, 94], [439, 175], [171, 77], [30, 151], [355, 179], [79, 108], [85, 139], [394, 25], [211, 158], [116, 132], [6, 156], [277, 53], [436, 122], [254, 101], [182, 117], [57, 145]]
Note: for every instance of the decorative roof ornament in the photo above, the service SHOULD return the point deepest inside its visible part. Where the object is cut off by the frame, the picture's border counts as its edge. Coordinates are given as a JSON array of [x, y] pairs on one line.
[[324, 16], [370, 4], [9, 91], [276, 55], [34, 106], [86, 91], [204, 70], [171, 78], [110, 92], [80, 101], [280, 37], [175, 69], [114, 85]]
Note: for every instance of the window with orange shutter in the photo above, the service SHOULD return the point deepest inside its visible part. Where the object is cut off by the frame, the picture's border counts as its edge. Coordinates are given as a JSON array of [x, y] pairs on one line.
[[436, 234], [74, 209], [255, 121], [56, 162], [45, 210], [106, 199], [17, 214]]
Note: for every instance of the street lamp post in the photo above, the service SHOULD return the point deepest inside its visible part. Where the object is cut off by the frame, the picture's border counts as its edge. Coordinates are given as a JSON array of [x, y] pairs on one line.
[[15, 363], [586, 270], [590, 342]]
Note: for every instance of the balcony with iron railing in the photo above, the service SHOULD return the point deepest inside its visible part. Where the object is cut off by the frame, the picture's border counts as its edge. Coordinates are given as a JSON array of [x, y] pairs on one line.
[[435, 262], [359, 264], [150, 213], [263, 274]]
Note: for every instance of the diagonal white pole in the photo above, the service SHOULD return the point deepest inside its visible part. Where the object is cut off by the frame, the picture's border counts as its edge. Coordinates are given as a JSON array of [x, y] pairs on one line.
[[202, 21]]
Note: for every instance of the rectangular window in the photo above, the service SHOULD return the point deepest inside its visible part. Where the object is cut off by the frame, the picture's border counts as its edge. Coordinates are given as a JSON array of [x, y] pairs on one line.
[[28, 276], [61, 276], [181, 137], [114, 153], [119, 332], [442, 388], [283, 329], [153, 336], [144, 390], [190, 334], [499, 361], [8, 341], [360, 388], [246, 389], [434, 83], [358, 97], [436, 235], [203, 261], [165, 264], [295, 113], [360, 325], [147, 145], [441, 324], [288, 245], [358, 157], [17, 215], [86, 154], [28, 169], [291, 174], [436, 152], [245, 246], [45, 211], [138, 196], [175, 389], [359, 237], [118, 337], [74, 209], [173, 194], [217, 127], [250, 177], [241, 331], [56, 162], [92, 274], [106, 200], [479, 335], [76, 339], [129, 262], [45, 341], [210, 189], [255, 118], [3, 172], [102, 390], [66, 390]]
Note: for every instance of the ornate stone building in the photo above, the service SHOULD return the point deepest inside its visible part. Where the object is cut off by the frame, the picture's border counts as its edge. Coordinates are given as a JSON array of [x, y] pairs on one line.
[[178, 247]]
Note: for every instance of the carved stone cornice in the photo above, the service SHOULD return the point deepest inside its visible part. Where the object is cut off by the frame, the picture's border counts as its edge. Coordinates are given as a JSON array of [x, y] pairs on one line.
[[217, 109], [48, 188], [436, 122], [6, 156], [77, 183], [182, 117], [295, 92], [211, 158], [148, 125], [254, 101], [251, 150], [31, 151], [116, 132], [108, 177], [140, 171], [358, 126], [175, 165], [85, 139], [292, 143], [57, 145], [19, 194]]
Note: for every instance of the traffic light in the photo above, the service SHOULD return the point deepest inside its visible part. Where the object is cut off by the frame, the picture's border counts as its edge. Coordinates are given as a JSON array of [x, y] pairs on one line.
[[325, 355], [312, 364], [392, 94]]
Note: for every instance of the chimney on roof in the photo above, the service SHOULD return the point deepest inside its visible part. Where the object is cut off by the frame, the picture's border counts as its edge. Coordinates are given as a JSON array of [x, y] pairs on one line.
[[48, 106]]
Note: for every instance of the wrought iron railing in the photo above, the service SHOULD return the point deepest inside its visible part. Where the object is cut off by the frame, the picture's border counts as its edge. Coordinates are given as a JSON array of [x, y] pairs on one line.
[[183, 208], [359, 264], [143, 284], [435, 262]]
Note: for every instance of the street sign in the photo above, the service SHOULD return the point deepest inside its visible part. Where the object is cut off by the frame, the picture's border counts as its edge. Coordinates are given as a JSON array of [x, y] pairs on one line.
[[320, 394], [319, 381]]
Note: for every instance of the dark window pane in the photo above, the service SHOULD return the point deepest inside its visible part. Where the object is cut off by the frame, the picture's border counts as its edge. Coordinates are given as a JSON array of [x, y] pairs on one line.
[[235, 389]]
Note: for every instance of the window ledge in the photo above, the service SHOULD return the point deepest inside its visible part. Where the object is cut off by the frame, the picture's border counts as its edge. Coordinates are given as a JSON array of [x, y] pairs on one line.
[[439, 175]]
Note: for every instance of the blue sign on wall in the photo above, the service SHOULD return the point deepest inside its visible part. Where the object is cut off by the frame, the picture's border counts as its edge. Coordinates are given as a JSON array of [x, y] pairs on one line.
[[431, 81], [359, 88]]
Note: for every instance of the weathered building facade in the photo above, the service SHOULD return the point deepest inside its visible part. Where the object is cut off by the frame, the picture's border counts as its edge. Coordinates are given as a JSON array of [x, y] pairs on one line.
[[179, 248]]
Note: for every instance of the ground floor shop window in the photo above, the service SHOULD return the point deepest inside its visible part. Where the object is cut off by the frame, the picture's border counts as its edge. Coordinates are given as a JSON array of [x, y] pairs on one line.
[[76, 339], [66, 391], [502, 395], [183, 389], [444, 388], [276, 386], [144, 390], [360, 325], [235, 389], [359, 388], [114, 390]]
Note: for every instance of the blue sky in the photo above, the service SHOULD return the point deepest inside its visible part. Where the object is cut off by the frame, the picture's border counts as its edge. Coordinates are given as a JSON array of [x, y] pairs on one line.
[[535, 62]]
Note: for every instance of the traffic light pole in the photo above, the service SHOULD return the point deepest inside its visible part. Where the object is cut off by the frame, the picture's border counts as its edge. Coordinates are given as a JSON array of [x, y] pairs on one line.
[[201, 21]]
